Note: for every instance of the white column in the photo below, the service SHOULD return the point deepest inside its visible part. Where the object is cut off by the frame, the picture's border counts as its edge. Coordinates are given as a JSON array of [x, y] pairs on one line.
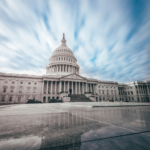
[[57, 68], [51, 87], [64, 87], [42, 87], [75, 87], [85, 87], [55, 87], [68, 87], [60, 86], [90, 86], [47, 88], [142, 90], [147, 89], [94, 89]]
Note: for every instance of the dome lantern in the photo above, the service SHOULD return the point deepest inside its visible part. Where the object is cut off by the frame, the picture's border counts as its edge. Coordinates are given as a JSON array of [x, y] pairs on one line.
[[63, 41]]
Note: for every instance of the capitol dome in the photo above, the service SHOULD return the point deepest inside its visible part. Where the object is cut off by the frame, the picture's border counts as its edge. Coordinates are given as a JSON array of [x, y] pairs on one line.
[[62, 61]]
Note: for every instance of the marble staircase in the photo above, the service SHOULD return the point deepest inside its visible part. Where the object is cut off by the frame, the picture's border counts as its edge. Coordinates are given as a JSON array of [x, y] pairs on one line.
[[78, 98]]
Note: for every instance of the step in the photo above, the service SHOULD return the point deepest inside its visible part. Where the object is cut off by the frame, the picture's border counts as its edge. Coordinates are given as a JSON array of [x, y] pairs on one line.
[[78, 98]]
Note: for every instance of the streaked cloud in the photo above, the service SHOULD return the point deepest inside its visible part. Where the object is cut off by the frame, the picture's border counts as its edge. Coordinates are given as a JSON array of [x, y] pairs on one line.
[[110, 39]]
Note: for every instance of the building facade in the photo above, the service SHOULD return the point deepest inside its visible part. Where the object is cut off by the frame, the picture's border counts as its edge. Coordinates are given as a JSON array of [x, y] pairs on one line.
[[62, 78]]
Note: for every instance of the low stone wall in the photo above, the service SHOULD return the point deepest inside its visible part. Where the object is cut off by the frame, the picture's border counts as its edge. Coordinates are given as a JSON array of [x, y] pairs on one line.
[[66, 99], [92, 98]]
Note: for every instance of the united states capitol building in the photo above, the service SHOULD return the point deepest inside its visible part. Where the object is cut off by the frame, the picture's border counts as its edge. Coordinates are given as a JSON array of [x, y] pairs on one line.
[[63, 81]]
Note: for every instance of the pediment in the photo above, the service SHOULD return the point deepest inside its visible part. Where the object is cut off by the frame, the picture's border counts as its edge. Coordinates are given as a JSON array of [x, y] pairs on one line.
[[73, 76]]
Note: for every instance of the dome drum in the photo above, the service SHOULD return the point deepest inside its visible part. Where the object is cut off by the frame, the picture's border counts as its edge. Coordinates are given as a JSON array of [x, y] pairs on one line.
[[62, 69]]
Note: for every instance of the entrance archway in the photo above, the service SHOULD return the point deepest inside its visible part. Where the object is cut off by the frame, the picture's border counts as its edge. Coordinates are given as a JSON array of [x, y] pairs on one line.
[[44, 99]]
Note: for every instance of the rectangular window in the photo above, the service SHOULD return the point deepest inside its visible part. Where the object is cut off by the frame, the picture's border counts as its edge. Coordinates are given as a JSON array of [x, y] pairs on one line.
[[107, 92], [19, 99], [131, 93], [111, 91], [28, 90], [11, 90], [13, 82], [103, 92], [10, 98], [115, 92], [99, 91], [4, 90], [34, 90], [3, 99]]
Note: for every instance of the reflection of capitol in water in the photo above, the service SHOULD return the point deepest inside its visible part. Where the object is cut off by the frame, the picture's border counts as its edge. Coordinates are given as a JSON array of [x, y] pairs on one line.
[[67, 128]]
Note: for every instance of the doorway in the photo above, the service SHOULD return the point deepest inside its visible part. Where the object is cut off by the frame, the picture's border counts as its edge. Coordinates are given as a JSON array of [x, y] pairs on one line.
[[44, 99], [70, 91]]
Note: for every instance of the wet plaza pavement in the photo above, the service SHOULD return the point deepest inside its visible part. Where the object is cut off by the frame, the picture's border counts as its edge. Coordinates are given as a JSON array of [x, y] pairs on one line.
[[74, 127]]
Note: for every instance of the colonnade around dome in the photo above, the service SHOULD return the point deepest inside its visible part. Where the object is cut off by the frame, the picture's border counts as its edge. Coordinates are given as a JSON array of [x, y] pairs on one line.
[[62, 69]]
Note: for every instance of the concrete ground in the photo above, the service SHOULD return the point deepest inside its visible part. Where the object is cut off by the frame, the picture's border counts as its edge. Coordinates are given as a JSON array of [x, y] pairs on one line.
[[75, 126]]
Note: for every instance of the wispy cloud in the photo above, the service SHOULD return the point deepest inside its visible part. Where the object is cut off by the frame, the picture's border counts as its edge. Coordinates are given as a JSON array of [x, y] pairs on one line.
[[110, 39]]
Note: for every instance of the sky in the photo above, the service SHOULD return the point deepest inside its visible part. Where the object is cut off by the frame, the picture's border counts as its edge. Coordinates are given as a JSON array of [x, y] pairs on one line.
[[109, 38]]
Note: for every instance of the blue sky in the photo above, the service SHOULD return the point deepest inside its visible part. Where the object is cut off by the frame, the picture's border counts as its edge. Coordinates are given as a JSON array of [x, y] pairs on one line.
[[109, 38]]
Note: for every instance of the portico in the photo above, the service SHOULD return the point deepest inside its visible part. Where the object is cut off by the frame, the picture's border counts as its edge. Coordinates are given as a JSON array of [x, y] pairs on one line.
[[70, 84]]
